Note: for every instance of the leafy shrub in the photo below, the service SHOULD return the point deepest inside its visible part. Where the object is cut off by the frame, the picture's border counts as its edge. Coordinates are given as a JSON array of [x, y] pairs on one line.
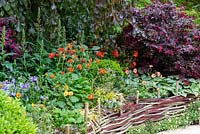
[[13, 117], [164, 37], [7, 38], [62, 20], [64, 117]]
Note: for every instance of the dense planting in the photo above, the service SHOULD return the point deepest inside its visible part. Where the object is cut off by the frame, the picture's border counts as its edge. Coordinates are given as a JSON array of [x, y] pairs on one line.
[[72, 53]]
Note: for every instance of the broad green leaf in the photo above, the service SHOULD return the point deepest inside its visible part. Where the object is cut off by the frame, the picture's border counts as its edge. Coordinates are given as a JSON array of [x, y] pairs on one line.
[[61, 104], [74, 99], [75, 76], [79, 105], [71, 120], [95, 48]]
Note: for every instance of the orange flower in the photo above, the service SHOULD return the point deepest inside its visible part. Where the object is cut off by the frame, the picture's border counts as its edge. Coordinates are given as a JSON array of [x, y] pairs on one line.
[[61, 49], [126, 71], [98, 61], [102, 71], [69, 45], [62, 72], [1, 85], [71, 69], [88, 65], [52, 76], [91, 97], [133, 65], [18, 95], [90, 60], [74, 50], [70, 61], [82, 49], [79, 67], [52, 55], [135, 53], [100, 54], [115, 53]]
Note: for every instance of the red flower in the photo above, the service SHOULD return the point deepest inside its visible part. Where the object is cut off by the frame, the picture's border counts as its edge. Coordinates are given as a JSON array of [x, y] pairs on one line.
[[100, 54], [135, 54], [71, 52], [52, 55], [90, 60], [115, 53], [61, 49], [62, 72], [91, 97], [83, 60], [102, 71], [70, 69], [133, 65], [79, 67], [82, 49]]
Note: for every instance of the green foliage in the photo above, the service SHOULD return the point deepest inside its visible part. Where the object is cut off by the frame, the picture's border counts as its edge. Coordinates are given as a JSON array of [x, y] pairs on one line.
[[65, 19], [64, 117], [143, 3], [69, 91], [13, 117], [191, 116], [195, 14], [112, 66], [148, 86], [42, 117]]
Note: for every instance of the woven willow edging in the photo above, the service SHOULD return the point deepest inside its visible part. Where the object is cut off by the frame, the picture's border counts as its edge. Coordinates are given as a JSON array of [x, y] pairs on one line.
[[137, 114]]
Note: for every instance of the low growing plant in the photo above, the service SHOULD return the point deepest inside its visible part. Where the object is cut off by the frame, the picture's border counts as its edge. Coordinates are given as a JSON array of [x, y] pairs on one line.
[[13, 117]]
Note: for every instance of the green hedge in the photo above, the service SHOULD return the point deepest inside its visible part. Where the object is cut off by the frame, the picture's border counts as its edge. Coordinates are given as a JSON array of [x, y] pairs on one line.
[[13, 119]]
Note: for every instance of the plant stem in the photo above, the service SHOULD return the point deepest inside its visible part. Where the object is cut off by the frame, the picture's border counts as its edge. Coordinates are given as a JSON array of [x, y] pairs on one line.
[[3, 40]]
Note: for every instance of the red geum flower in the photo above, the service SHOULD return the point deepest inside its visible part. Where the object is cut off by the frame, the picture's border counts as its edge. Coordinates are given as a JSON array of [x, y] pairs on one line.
[[133, 64], [90, 60], [79, 67], [52, 55], [83, 60], [115, 53], [70, 69], [71, 52], [82, 49], [91, 97], [100, 54], [135, 53], [62, 72], [61, 49]]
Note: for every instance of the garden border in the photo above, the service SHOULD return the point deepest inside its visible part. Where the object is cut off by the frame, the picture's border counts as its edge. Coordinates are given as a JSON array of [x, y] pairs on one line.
[[133, 114]]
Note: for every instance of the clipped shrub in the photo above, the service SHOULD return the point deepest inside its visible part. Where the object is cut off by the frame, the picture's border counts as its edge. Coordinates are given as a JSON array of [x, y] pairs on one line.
[[13, 117], [164, 37]]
